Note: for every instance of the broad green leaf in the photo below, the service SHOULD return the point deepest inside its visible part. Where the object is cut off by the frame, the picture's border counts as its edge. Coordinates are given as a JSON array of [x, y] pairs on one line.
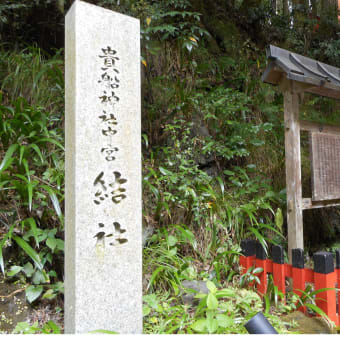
[[172, 240], [224, 321], [14, 270], [200, 296], [50, 325], [212, 325], [25, 328], [59, 286], [146, 310], [151, 300], [60, 244], [38, 277], [49, 294], [28, 269], [52, 273], [199, 325], [8, 155], [51, 243], [33, 292], [211, 286], [28, 250], [212, 302]]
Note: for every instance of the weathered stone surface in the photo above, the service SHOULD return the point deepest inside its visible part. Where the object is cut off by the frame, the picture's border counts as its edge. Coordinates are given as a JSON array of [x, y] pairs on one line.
[[192, 288], [103, 253], [308, 325]]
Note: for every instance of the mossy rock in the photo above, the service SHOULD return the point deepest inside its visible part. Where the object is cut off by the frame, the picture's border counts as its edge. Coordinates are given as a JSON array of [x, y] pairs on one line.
[[308, 325]]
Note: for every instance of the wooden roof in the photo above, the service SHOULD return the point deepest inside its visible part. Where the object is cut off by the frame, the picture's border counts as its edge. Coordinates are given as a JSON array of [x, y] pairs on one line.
[[323, 79]]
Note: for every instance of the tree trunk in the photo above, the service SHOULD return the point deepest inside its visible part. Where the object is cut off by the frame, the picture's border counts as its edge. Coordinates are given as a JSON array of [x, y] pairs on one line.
[[285, 7]]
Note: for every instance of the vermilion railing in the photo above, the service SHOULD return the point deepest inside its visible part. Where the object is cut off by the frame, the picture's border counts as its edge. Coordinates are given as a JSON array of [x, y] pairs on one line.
[[324, 274]]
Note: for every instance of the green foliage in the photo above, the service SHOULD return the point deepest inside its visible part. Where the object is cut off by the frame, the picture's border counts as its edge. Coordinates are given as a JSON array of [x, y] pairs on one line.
[[163, 260], [213, 150], [221, 311], [34, 75], [25, 328], [172, 20], [31, 181]]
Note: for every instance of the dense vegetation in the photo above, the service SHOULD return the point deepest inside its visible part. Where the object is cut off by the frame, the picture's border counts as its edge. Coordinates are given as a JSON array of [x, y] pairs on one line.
[[213, 150]]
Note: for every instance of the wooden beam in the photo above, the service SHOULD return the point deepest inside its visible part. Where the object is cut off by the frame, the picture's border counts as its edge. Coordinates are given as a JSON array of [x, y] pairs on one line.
[[307, 203], [293, 168], [318, 127]]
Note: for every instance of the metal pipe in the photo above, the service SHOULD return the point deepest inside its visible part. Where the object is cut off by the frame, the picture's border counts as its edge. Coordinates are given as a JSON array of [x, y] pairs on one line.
[[259, 325]]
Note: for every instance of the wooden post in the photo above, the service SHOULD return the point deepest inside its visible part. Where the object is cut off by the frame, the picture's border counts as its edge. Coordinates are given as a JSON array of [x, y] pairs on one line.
[[261, 262], [293, 168], [298, 274], [325, 277], [248, 255], [279, 274]]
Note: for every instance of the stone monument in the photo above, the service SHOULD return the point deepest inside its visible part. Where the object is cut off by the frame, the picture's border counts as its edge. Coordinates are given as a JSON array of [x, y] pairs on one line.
[[103, 204]]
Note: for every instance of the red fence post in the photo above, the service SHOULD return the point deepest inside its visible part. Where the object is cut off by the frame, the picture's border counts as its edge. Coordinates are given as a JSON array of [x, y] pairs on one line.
[[261, 262], [337, 270], [279, 273], [248, 255], [298, 273], [324, 277]]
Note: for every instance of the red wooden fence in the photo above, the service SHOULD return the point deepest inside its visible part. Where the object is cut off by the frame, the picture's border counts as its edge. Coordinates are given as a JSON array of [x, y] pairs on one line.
[[323, 276]]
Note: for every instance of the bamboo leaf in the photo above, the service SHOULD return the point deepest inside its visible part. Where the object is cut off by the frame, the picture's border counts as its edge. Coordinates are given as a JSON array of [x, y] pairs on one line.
[[50, 140], [5, 162], [28, 250], [316, 309], [154, 275], [37, 150], [260, 238], [34, 229], [221, 184], [54, 199], [30, 195], [21, 152]]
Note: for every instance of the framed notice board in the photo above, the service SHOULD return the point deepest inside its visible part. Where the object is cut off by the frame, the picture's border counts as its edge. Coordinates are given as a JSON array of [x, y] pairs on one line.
[[325, 166]]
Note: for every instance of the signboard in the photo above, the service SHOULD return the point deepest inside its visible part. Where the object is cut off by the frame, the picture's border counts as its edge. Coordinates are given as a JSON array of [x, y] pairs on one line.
[[325, 162]]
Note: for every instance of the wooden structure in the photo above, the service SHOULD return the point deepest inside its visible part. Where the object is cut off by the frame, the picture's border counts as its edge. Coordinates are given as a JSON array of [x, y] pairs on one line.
[[295, 75]]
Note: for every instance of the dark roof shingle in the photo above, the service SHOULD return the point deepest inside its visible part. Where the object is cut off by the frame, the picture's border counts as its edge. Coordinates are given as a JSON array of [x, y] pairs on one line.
[[323, 79]]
